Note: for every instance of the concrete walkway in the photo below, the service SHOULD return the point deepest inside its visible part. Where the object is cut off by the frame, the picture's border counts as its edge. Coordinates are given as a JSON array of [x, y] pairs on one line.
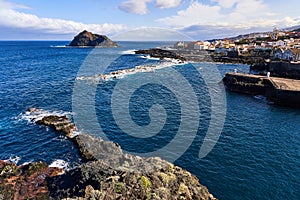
[[279, 83]]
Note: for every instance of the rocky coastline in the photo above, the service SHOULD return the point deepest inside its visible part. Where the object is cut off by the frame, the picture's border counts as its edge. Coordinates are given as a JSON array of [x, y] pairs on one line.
[[26, 181], [285, 69], [108, 173], [161, 54]]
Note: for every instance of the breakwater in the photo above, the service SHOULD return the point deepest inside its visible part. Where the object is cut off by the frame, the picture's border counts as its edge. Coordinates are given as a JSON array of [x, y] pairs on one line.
[[281, 91]]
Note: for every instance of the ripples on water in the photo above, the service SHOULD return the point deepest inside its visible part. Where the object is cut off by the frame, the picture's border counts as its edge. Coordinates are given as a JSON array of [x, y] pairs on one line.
[[256, 157]]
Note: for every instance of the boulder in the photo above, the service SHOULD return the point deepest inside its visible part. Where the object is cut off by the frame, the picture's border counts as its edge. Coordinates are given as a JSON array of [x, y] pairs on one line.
[[88, 39], [59, 123]]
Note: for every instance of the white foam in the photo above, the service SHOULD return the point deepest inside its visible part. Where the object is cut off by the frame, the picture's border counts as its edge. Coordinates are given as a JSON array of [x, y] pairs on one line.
[[125, 72], [61, 164], [13, 159], [75, 133], [60, 138], [27, 163], [58, 46], [259, 97], [263, 99], [149, 57], [38, 114], [130, 51]]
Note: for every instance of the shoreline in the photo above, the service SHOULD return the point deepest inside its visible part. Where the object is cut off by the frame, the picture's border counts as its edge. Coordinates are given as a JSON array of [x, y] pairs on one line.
[[107, 173]]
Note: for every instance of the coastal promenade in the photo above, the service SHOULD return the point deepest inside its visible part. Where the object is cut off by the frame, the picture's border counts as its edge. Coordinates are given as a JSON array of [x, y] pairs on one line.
[[281, 91], [286, 84], [278, 83]]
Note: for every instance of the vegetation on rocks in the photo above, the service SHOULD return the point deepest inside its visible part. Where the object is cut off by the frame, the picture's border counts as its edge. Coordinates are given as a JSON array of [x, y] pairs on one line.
[[107, 174]]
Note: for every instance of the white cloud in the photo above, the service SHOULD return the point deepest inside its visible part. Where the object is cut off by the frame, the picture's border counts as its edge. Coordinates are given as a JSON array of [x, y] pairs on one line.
[[248, 10], [214, 31], [226, 3], [226, 17], [167, 3], [141, 6], [194, 14], [136, 7], [151, 34], [11, 17], [10, 5]]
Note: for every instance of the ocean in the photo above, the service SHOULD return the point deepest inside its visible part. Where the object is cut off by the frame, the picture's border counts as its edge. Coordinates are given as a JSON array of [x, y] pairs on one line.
[[255, 153]]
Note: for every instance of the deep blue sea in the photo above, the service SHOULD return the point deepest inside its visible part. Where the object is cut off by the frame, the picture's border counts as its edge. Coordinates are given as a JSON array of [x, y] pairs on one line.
[[257, 155]]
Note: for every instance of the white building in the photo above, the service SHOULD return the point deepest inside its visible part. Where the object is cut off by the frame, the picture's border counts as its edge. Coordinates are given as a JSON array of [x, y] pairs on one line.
[[279, 43], [201, 45]]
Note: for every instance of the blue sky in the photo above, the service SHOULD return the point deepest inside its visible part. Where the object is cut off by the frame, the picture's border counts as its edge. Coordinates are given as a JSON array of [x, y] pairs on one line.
[[198, 19]]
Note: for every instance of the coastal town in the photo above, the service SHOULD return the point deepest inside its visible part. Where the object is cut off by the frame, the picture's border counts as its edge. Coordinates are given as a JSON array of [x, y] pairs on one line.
[[254, 48], [274, 59]]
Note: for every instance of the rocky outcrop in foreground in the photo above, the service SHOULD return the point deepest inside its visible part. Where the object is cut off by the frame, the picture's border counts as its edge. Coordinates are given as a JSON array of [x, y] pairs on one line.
[[25, 181], [88, 39], [160, 53], [109, 173], [100, 181]]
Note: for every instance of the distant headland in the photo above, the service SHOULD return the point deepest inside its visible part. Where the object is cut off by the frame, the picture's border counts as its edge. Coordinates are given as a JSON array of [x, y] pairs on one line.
[[88, 39]]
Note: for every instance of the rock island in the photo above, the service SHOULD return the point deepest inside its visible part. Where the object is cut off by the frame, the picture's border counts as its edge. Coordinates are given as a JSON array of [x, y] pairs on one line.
[[88, 39]]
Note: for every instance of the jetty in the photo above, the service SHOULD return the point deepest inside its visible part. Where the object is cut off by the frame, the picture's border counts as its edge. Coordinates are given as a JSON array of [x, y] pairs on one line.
[[281, 91]]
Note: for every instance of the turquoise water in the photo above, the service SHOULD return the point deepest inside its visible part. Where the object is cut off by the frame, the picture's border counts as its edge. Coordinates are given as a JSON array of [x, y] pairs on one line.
[[256, 157]]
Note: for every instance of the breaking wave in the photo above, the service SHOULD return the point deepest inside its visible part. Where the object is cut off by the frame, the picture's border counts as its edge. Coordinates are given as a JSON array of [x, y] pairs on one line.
[[119, 74], [58, 46], [13, 159], [60, 164], [33, 115], [128, 52]]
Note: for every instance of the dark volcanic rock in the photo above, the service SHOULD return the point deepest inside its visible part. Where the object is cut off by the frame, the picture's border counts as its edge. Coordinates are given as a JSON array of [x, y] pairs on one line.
[[285, 69], [25, 181], [112, 174], [59, 123], [95, 149], [116, 175], [111, 154], [160, 53], [86, 38], [95, 179]]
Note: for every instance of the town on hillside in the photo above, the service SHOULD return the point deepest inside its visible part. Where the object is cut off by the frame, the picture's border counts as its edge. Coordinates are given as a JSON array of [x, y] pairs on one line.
[[274, 59], [256, 49]]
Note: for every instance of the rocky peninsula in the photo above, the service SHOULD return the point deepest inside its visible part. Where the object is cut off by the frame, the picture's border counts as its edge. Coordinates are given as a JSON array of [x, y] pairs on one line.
[[108, 173], [88, 39], [161, 54]]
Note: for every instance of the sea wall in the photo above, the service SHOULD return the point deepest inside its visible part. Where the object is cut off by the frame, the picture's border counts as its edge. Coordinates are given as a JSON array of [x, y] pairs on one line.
[[247, 84], [281, 97], [285, 69], [285, 92]]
